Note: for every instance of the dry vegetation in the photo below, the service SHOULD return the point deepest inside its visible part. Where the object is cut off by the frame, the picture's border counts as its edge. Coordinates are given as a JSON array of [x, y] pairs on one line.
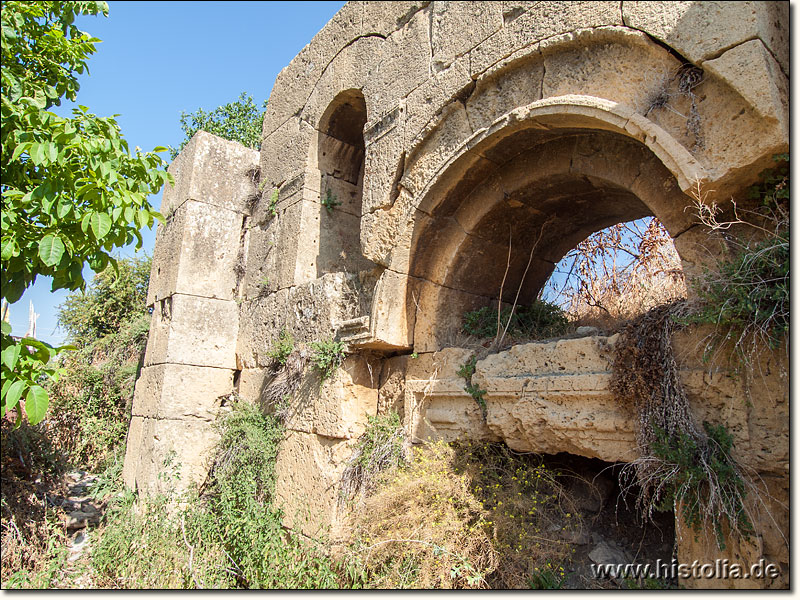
[[618, 273], [465, 516]]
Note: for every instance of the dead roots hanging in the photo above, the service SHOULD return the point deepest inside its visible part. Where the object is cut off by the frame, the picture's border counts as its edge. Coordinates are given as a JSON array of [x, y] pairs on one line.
[[678, 461]]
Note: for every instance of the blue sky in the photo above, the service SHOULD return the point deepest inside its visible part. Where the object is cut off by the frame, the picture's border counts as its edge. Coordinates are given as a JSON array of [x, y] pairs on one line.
[[160, 58]]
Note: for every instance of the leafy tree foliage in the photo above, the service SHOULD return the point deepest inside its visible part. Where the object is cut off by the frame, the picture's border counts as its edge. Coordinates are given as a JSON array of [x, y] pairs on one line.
[[91, 402], [239, 121], [115, 296], [72, 191]]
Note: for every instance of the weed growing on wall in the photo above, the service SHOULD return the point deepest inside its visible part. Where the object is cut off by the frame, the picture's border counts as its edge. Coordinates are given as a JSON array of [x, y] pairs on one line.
[[330, 200], [282, 347], [326, 357], [680, 465], [746, 296], [466, 371], [379, 448]]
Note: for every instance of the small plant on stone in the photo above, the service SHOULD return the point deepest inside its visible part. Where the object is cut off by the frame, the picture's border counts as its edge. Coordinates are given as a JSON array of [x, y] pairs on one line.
[[466, 371], [272, 207], [282, 347], [330, 201], [379, 448], [327, 356]]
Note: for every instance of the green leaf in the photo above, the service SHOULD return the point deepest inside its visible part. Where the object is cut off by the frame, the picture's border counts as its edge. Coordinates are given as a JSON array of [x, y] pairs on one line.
[[36, 403], [51, 249], [8, 248], [101, 225], [11, 355], [6, 327], [13, 394]]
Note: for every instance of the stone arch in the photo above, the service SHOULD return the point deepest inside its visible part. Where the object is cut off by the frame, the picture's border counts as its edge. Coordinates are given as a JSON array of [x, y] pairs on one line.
[[584, 162]]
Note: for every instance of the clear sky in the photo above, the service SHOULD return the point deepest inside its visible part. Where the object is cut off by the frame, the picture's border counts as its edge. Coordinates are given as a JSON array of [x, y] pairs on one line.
[[160, 58]]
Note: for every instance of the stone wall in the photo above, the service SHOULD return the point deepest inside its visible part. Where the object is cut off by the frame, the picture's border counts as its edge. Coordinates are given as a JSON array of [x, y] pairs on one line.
[[407, 141]]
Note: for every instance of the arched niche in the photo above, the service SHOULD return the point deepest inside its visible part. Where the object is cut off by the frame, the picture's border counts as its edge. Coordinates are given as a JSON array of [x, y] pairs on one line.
[[340, 161]]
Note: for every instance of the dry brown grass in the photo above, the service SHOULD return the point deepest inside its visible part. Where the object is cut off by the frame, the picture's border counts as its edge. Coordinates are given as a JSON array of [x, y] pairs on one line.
[[621, 272], [467, 516]]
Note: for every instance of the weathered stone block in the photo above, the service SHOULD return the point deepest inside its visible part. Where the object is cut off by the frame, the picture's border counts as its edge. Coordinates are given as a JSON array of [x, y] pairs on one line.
[[702, 30], [180, 451], [170, 391], [752, 71], [197, 253], [307, 474], [340, 406], [196, 331], [539, 21], [403, 63], [450, 39], [215, 171]]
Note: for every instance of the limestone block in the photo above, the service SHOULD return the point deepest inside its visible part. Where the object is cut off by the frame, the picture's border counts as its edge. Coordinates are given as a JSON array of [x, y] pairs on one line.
[[403, 63], [752, 71], [196, 253], [169, 391], [307, 473], [285, 151], [702, 30], [384, 229], [384, 161], [450, 39], [392, 390], [290, 192], [262, 259], [215, 171], [309, 312], [539, 21], [340, 406], [289, 237], [434, 366], [437, 406], [348, 70], [427, 101], [133, 451], [180, 451], [434, 146], [392, 318], [553, 397], [582, 355], [611, 63], [384, 18], [196, 331], [582, 422], [503, 91], [251, 384], [260, 322]]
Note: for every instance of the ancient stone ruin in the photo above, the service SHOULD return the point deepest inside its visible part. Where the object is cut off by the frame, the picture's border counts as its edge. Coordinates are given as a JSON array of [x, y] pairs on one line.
[[403, 141]]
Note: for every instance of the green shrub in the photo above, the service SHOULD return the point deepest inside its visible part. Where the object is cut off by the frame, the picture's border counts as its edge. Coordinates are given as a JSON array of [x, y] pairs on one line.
[[379, 448], [538, 320], [748, 292], [282, 347], [327, 356], [91, 401], [689, 484], [230, 537]]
